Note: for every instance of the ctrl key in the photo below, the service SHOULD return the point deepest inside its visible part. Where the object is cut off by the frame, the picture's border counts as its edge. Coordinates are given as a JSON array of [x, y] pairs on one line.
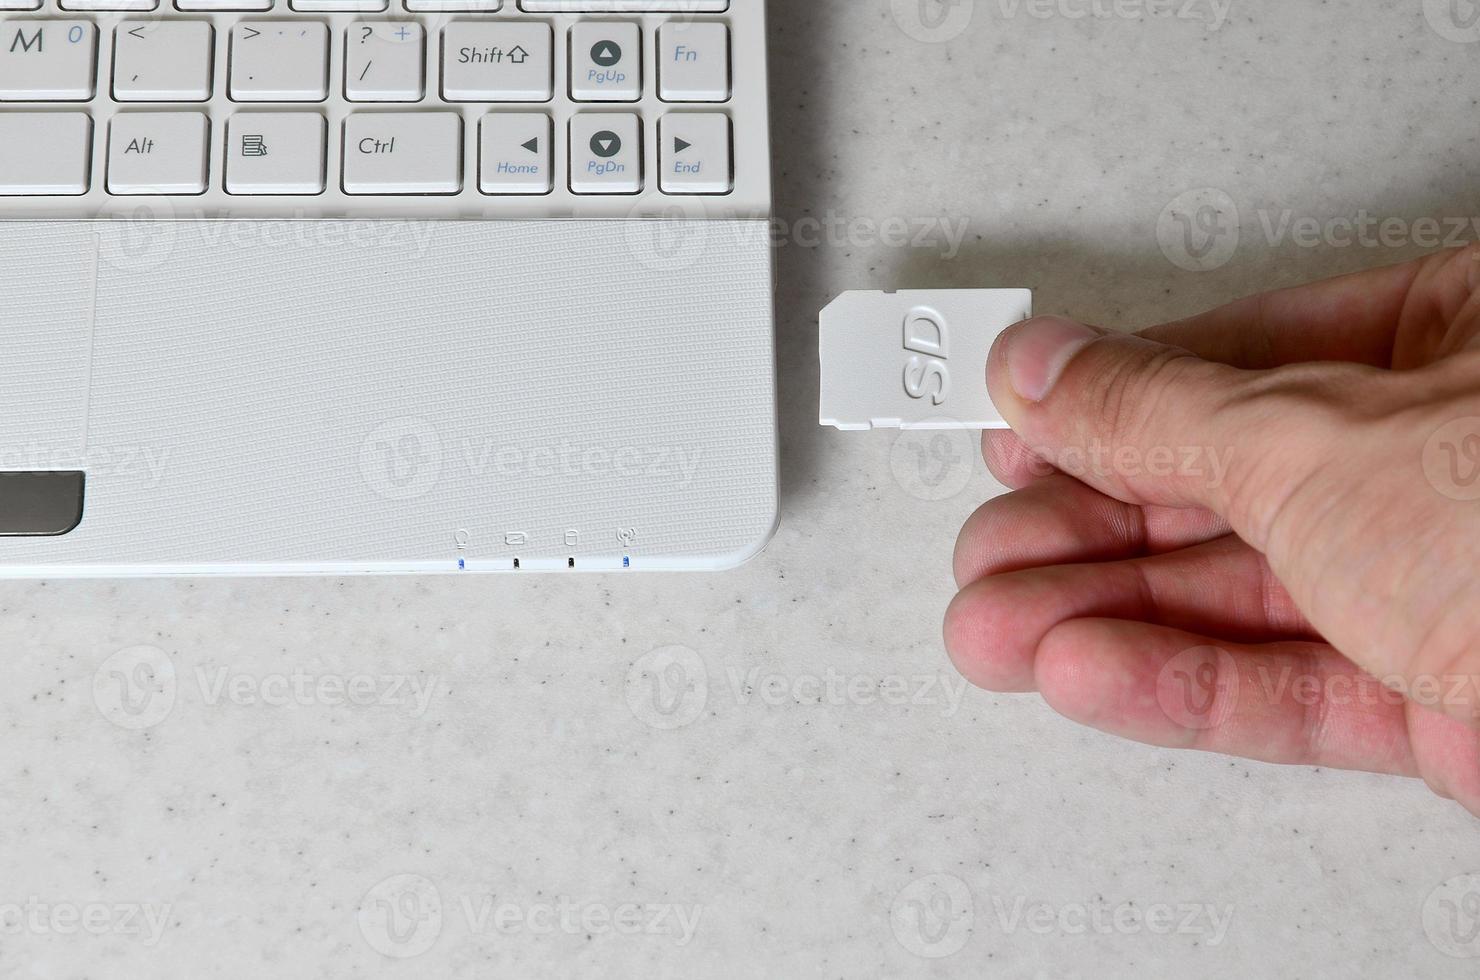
[[403, 153], [45, 153]]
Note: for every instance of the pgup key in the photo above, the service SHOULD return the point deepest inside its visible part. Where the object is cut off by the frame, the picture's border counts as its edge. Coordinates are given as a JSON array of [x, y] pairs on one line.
[[915, 359], [47, 60]]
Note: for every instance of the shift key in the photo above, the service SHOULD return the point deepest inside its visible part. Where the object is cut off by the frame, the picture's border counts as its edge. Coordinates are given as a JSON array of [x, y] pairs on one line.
[[403, 153]]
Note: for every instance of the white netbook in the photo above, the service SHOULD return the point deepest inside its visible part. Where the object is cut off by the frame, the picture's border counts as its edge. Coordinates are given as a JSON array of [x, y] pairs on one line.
[[343, 286]]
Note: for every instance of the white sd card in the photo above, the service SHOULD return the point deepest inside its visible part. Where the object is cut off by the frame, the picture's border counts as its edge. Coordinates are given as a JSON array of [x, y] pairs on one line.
[[915, 359]]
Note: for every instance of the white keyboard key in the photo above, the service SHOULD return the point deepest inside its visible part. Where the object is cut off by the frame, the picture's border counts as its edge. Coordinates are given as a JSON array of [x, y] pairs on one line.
[[454, 6], [280, 61], [45, 152], [606, 153], [605, 62], [131, 5], [403, 153], [47, 60], [694, 62], [515, 153], [20, 4], [498, 61], [626, 6], [250, 6], [275, 153], [339, 6], [384, 62], [162, 61], [158, 153], [695, 155]]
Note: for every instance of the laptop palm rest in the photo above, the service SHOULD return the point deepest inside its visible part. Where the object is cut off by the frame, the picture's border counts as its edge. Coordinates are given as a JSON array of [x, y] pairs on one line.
[[271, 397]]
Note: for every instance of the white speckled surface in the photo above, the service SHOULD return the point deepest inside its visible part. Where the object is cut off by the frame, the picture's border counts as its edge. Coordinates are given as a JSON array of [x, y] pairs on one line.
[[792, 813]]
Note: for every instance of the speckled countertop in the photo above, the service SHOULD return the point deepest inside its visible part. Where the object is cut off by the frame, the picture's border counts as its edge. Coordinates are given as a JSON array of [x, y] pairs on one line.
[[774, 772]]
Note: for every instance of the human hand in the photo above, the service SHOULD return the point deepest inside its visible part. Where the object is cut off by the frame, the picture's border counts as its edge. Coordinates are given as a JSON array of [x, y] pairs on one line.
[[1254, 532]]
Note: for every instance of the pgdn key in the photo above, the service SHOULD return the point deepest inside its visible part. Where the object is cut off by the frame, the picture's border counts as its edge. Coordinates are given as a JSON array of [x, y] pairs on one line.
[[606, 153]]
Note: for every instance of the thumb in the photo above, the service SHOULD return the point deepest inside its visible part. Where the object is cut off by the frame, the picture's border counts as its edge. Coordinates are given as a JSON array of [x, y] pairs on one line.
[[1149, 423]]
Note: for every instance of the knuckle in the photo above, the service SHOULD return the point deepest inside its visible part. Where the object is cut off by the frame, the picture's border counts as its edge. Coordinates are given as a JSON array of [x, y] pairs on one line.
[[1129, 395]]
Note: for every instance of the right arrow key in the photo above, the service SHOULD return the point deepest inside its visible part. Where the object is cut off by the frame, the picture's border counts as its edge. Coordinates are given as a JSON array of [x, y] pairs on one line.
[[697, 154]]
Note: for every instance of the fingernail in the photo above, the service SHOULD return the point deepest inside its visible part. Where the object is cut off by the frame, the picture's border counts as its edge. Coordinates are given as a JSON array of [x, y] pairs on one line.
[[1038, 351]]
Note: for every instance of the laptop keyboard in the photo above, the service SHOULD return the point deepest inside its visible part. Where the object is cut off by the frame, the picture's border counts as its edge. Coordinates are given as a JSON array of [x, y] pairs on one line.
[[437, 108]]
